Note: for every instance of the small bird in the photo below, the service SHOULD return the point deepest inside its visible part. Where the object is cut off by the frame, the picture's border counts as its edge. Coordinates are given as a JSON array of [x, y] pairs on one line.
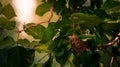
[[77, 45]]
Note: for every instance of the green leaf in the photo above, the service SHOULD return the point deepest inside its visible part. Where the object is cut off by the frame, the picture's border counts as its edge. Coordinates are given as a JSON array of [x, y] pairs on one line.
[[60, 4], [19, 56], [56, 44], [49, 62], [59, 48], [111, 28], [49, 33], [87, 20], [7, 41], [6, 24], [86, 36], [86, 57], [36, 32], [43, 47], [94, 60], [43, 8], [8, 11], [116, 51], [113, 3], [3, 56], [0, 8], [23, 42]]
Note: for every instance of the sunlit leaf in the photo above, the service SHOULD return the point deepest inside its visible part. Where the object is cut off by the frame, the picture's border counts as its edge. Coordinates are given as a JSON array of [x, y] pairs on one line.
[[36, 32], [43, 8], [43, 47], [8, 11], [6, 24], [49, 33], [86, 36]]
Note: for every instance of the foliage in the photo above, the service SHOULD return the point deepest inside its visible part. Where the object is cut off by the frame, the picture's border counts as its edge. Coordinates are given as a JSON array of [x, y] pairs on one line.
[[84, 36]]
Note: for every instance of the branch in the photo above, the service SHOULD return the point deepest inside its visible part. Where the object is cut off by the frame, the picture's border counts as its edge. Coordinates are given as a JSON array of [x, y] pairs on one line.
[[112, 42], [36, 24], [102, 48]]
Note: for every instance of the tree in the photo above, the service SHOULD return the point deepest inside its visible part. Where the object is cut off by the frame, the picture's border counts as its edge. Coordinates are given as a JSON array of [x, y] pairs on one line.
[[83, 36]]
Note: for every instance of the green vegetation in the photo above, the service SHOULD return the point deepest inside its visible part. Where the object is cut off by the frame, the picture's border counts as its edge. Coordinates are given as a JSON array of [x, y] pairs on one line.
[[83, 36]]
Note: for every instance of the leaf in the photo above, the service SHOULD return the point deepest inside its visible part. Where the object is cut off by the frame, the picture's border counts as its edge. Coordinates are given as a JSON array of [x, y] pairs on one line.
[[116, 51], [86, 36], [59, 48], [86, 57], [19, 56], [111, 28], [43, 8], [60, 4], [55, 45], [49, 62], [49, 33], [8, 11], [43, 47], [23, 42], [3, 56], [113, 3], [36, 32], [94, 60], [6, 24], [0, 8], [87, 20], [7, 41]]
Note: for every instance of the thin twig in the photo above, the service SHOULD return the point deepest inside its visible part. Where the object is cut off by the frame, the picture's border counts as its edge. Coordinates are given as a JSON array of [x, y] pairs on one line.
[[112, 42], [36, 24], [102, 48], [111, 62]]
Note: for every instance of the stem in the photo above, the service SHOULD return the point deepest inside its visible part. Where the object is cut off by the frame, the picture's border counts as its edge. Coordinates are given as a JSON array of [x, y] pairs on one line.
[[36, 24]]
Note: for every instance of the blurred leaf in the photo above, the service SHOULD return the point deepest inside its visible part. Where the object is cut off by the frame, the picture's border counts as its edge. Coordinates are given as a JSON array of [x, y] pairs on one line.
[[0, 8], [43, 47], [60, 4], [62, 59], [116, 51], [10, 25], [43, 8], [111, 28], [113, 3], [49, 62], [8, 11], [6, 24], [87, 20], [94, 61], [86, 57], [86, 36], [55, 46], [59, 48], [105, 59], [23, 42], [92, 45], [3, 56], [7, 41], [49, 33], [19, 56], [36, 32]]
